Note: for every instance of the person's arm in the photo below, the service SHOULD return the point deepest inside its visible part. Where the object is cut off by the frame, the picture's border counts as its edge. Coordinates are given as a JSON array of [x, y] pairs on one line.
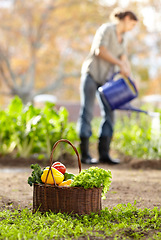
[[126, 63], [103, 53]]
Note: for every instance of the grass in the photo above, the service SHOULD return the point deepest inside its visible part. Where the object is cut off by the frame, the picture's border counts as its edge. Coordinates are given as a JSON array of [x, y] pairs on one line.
[[121, 222]]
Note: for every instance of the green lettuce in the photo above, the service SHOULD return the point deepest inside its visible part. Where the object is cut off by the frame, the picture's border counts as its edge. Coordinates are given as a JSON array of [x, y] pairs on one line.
[[93, 177]]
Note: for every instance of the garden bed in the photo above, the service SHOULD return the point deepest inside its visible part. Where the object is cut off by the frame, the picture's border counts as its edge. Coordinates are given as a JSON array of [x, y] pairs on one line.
[[133, 179]]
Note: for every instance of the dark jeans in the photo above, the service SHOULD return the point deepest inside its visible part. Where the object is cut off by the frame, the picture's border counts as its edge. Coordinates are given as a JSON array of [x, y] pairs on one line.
[[88, 92]]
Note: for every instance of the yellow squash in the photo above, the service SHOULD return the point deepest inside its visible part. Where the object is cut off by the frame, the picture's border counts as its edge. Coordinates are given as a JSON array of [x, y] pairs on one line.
[[58, 176], [66, 183]]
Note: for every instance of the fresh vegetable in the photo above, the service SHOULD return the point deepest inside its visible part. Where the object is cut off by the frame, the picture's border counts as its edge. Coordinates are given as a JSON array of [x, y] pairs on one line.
[[66, 183], [35, 175], [68, 176], [60, 167], [93, 177], [58, 176]]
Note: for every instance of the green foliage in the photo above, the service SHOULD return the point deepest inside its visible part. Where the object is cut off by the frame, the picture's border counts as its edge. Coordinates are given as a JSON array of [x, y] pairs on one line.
[[35, 175], [133, 137], [30, 130], [68, 176], [93, 177], [121, 222]]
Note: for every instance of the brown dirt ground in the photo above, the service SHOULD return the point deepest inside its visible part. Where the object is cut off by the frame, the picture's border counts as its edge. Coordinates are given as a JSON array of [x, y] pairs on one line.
[[132, 180]]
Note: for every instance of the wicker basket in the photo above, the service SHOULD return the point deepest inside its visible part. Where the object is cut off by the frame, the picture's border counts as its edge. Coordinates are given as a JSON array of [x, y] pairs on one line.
[[76, 200]]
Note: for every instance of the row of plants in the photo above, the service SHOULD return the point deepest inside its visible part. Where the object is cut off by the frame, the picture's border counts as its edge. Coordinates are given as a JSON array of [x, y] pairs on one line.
[[134, 136], [26, 130], [121, 222]]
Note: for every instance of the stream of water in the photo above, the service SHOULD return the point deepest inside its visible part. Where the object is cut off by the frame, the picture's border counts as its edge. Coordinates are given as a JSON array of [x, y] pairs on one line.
[[155, 131]]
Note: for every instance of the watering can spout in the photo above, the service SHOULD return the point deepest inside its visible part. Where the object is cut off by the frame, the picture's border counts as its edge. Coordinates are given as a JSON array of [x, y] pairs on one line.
[[129, 107]]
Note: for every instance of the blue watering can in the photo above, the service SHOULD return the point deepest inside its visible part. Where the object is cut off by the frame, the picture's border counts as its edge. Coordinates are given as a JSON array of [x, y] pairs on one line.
[[118, 92]]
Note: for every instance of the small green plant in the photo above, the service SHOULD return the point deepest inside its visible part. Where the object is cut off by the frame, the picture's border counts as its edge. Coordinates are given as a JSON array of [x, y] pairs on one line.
[[121, 222]]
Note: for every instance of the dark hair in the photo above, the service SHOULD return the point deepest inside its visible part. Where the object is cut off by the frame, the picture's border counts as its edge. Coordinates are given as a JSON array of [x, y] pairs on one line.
[[122, 15]]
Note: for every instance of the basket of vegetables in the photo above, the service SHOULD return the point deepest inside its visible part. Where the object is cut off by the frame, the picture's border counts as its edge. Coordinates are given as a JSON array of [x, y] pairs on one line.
[[56, 190]]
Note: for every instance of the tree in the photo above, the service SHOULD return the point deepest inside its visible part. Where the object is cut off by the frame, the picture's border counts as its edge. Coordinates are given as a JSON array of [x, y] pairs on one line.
[[42, 44]]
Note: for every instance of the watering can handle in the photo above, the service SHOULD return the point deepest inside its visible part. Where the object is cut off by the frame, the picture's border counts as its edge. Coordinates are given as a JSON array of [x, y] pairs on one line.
[[113, 75]]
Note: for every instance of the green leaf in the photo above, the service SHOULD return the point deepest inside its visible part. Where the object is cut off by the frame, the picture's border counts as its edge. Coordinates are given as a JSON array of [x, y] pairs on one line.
[[15, 107], [68, 176], [93, 177], [35, 175]]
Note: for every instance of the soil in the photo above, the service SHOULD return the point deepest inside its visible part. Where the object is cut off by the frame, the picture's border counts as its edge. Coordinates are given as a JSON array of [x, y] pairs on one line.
[[132, 179]]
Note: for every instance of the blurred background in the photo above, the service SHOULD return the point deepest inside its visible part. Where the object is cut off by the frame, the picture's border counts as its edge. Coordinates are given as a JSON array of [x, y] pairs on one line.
[[43, 44]]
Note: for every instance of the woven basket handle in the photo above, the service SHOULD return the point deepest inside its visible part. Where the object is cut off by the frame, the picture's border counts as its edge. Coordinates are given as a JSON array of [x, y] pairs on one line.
[[51, 158]]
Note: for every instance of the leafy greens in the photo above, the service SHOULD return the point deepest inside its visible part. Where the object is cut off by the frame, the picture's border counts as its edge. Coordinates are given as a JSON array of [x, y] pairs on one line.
[[35, 175], [93, 177]]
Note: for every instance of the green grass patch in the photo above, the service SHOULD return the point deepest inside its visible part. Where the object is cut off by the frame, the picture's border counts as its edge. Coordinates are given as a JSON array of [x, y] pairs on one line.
[[121, 222]]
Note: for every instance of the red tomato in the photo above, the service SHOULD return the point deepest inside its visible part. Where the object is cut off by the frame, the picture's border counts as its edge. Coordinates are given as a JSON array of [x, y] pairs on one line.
[[60, 167]]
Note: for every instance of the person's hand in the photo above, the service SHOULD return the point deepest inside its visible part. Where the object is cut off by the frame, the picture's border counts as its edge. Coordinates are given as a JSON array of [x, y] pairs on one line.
[[124, 70]]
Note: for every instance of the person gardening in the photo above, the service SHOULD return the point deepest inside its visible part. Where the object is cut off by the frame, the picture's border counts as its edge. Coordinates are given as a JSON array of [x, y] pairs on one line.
[[107, 52]]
